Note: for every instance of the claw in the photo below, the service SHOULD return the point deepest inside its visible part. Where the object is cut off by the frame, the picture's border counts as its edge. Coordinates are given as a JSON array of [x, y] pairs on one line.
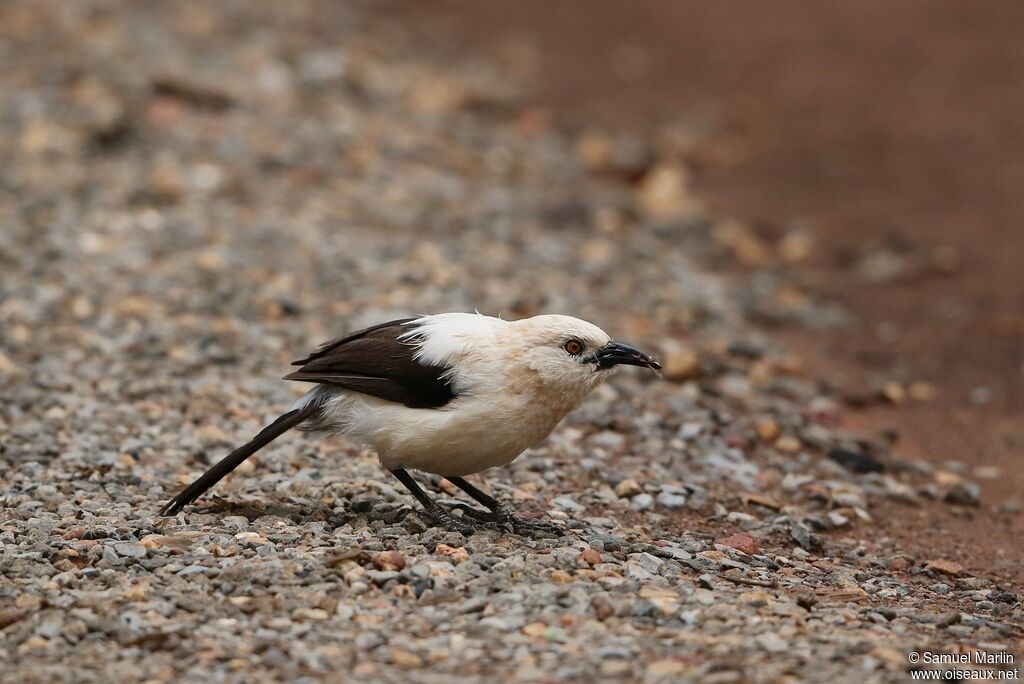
[[530, 528], [476, 514], [524, 527], [443, 519], [501, 520]]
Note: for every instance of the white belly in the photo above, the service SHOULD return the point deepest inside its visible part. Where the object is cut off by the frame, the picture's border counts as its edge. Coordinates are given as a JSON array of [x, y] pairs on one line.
[[467, 436]]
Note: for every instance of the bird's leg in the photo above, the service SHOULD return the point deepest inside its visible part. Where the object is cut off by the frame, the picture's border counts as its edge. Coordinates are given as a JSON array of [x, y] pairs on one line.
[[436, 512], [499, 513]]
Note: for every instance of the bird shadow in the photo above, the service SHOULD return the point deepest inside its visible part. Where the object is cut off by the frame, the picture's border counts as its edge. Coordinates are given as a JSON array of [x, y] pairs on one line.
[[304, 513], [295, 513]]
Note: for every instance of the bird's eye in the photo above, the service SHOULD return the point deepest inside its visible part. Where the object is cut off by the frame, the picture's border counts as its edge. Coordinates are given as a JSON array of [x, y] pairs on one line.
[[573, 346]]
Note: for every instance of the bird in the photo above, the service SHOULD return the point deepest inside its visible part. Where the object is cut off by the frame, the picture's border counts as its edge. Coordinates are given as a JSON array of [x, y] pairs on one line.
[[449, 394]]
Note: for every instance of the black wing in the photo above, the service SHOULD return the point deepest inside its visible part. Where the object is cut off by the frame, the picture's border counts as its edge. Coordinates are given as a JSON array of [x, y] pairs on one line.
[[375, 361]]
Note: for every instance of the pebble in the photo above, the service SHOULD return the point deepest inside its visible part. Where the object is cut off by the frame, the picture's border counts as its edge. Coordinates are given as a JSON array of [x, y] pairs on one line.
[[767, 430], [306, 183], [671, 501], [855, 461], [741, 541], [893, 392], [568, 504], [803, 536], [389, 560], [130, 549], [788, 444], [651, 564], [628, 489], [964, 493], [681, 364], [837, 519], [314, 614], [744, 520], [945, 567], [772, 642], [642, 502], [663, 194]]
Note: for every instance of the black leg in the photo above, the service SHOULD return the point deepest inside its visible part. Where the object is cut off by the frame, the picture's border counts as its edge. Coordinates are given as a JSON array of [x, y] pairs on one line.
[[405, 478], [499, 513], [430, 506], [480, 496]]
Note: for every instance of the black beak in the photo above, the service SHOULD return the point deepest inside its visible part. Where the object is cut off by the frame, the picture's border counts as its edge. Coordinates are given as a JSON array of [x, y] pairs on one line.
[[615, 353]]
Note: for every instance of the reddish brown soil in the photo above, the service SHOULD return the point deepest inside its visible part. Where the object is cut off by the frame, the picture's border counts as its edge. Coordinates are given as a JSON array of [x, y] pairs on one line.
[[875, 122]]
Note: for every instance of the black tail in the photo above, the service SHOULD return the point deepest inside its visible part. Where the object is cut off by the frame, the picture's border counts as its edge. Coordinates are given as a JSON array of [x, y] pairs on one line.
[[235, 458]]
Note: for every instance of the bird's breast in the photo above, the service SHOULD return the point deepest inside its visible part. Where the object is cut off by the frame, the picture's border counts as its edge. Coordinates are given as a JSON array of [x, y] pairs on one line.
[[471, 434]]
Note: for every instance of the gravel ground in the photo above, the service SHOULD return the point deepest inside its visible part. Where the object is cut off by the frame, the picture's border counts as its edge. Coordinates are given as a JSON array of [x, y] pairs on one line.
[[195, 194]]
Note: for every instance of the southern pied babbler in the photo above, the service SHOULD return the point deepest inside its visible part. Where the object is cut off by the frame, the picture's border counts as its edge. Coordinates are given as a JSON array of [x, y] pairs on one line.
[[451, 394]]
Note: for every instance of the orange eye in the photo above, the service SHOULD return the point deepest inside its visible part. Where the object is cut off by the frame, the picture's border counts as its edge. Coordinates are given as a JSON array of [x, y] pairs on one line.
[[574, 347]]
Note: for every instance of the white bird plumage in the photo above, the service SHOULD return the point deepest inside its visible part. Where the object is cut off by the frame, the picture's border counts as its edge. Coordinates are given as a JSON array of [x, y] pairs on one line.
[[513, 384], [450, 394]]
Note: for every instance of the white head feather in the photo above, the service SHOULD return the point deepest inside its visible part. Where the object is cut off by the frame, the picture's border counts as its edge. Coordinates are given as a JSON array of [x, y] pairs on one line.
[[484, 352]]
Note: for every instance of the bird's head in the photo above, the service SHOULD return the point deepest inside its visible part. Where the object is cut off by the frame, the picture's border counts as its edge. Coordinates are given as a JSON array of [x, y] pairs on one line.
[[571, 353]]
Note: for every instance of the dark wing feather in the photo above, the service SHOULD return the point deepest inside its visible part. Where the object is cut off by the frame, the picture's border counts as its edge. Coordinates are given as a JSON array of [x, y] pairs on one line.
[[390, 329], [375, 361]]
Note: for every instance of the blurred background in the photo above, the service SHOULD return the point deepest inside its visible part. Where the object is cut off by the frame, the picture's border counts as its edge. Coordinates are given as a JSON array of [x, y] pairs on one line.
[[890, 133]]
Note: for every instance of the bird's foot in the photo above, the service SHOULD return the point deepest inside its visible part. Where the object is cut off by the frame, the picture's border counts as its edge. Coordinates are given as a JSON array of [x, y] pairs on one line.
[[533, 528], [465, 525], [503, 518]]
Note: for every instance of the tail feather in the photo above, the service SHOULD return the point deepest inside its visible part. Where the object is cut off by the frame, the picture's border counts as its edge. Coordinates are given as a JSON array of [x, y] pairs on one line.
[[234, 459]]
